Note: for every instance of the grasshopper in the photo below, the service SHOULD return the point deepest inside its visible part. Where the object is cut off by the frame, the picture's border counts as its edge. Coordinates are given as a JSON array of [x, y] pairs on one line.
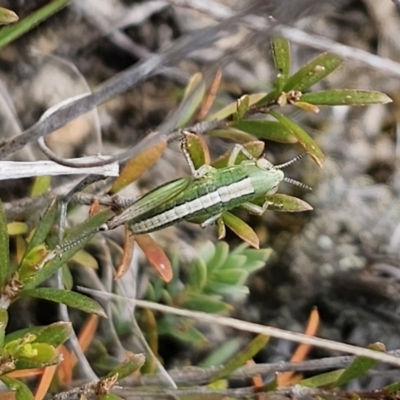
[[206, 195]]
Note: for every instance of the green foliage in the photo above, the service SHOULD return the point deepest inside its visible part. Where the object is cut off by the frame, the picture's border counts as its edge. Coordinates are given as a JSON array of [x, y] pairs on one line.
[[11, 33], [216, 274], [256, 116]]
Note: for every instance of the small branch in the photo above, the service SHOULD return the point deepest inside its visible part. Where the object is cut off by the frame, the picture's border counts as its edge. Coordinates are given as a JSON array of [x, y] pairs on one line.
[[257, 328], [20, 169]]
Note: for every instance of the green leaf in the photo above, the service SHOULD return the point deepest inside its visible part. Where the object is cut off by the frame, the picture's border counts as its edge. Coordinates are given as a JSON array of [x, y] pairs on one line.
[[39, 355], [4, 249], [313, 72], [243, 105], [17, 228], [340, 97], [10, 33], [285, 203], [322, 380], [221, 354], [44, 226], [110, 396], [7, 16], [128, 367], [41, 185], [281, 54], [192, 99], [69, 298], [232, 108], [255, 148], [85, 259], [232, 134], [359, 366], [22, 391], [270, 130], [198, 275], [246, 354], [197, 148], [3, 326], [181, 329], [205, 303], [392, 388], [73, 242], [304, 138], [218, 259], [221, 288], [54, 334], [232, 276], [241, 229]]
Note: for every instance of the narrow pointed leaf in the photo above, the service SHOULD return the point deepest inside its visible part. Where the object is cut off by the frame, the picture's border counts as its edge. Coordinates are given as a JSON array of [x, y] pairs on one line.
[[85, 259], [232, 108], [192, 99], [69, 298], [304, 138], [7, 16], [198, 275], [359, 366], [3, 326], [12, 32], [205, 303], [313, 72], [109, 396], [281, 54], [271, 130], [238, 361], [181, 329], [241, 229], [21, 390], [220, 355], [255, 148], [286, 203], [341, 97], [197, 149], [210, 96], [53, 334], [156, 256], [231, 276], [232, 134], [41, 185], [45, 224], [136, 166], [127, 256], [128, 367], [17, 228], [220, 256], [242, 106], [321, 380], [392, 388], [73, 242], [4, 249], [306, 106]]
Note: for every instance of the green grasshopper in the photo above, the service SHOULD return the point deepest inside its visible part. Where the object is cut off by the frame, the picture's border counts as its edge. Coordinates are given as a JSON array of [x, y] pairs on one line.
[[206, 195]]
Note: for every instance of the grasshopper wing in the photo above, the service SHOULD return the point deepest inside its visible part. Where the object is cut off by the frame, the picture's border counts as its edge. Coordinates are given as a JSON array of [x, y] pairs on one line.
[[153, 200]]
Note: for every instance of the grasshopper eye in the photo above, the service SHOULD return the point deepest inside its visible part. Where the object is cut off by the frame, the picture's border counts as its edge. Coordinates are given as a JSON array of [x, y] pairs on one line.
[[103, 227]]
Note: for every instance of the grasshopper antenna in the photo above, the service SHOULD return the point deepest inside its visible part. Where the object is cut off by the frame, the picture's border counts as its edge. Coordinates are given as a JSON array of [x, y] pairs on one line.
[[290, 162], [297, 183]]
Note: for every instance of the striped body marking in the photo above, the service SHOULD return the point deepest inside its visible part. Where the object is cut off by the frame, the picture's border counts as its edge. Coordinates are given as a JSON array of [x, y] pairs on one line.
[[201, 199]]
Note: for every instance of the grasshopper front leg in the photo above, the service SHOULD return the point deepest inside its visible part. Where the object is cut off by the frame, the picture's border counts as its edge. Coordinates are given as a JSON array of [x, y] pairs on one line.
[[196, 173], [255, 208], [237, 149]]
